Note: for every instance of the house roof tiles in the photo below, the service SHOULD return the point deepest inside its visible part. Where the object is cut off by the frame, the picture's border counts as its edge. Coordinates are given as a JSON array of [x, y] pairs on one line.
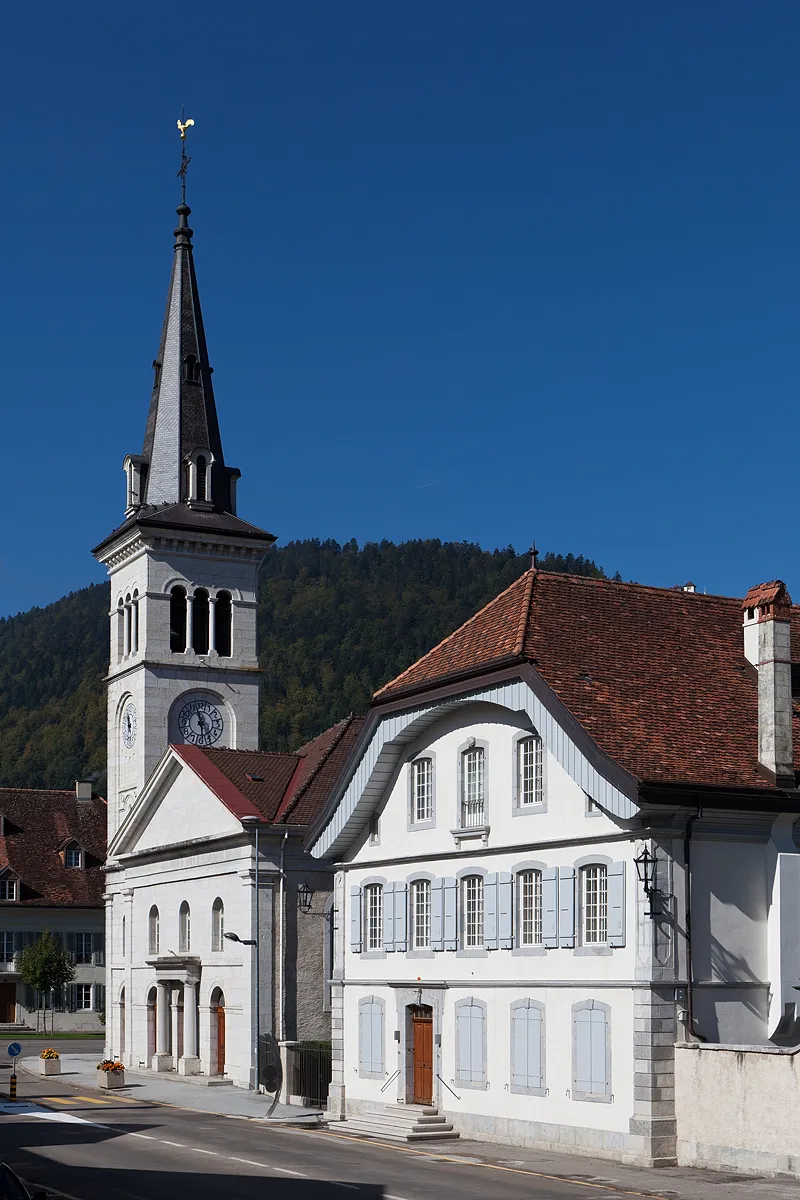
[[39, 824]]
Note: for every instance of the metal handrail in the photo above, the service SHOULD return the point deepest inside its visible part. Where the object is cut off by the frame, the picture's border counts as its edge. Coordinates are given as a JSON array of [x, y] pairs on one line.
[[447, 1085], [389, 1080]]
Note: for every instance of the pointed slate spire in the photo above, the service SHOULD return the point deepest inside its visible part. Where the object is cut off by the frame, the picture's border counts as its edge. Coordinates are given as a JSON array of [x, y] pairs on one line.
[[182, 423]]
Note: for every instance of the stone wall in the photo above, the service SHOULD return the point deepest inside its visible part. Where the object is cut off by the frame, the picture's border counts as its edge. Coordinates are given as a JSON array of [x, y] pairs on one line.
[[738, 1108]]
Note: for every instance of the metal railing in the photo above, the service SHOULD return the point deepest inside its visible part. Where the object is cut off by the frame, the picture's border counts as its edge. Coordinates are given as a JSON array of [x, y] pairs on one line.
[[473, 813], [447, 1085], [389, 1080], [312, 1073]]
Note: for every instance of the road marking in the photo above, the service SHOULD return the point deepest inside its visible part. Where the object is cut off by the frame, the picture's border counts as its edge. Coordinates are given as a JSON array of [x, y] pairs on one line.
[[197, 1150], [179, 1145], [58, 1099], [92, 1100], [148, 1136]]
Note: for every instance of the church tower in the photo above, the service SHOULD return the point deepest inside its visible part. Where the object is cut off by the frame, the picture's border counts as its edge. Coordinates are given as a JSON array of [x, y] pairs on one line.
[[183, 569]]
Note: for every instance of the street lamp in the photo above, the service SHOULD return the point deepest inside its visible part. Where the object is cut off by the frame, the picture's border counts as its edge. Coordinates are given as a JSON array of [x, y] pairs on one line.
[[234, 937], [304, 897], [646, 871]]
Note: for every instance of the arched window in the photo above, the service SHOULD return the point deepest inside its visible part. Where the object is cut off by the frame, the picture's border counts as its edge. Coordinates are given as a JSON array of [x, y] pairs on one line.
[[120, 629], [153, 931], [123, 936], [472, 911], [594, 904], [135, 628], [202, 478], [421, 912], [177, 620], [373, 917], [529, 905], [200, 621], [473, 777], [191, 369], [185, 929], [217, 924], [222, 624], [128, 624], [529, 771]]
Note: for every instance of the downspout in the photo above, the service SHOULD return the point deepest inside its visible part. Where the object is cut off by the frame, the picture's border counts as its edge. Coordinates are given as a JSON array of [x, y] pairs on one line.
[[281, 935], [687, 852]]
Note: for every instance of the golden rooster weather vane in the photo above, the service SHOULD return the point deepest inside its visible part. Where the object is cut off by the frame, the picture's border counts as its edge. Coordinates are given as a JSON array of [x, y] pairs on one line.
[[183, 125]]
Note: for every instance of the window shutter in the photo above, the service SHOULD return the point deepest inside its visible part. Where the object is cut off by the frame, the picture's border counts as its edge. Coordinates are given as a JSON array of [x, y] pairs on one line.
[[583, 1050], [388, 917], [99, 997], [400, 916], [370, 1036], [477, 1065], [355, 920], [72, 996], [450, 930], [490, 941], [534, 1026], [566, 906], [526, 1034], [505, 910], [437, 914], [599, 1035], [98, 949], [376, 1039], [69, 942], [550, 907], [364, 1037], [616, 904], [463, 1043]]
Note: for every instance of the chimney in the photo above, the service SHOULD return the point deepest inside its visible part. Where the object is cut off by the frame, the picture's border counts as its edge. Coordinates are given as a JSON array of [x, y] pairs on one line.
[[83, 789], [768, 647]]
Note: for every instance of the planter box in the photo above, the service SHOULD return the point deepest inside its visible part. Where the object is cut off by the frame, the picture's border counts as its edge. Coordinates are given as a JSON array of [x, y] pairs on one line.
[[111, 1079], [49, 1066]]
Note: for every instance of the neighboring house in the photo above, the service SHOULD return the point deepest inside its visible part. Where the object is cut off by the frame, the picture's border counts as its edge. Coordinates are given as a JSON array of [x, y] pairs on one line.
[[496, 954], [182, 923], [188, 790], [52, 850]]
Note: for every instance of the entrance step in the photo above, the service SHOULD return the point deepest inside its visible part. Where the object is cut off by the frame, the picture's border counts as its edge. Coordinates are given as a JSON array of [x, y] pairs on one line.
[[401, 1122]]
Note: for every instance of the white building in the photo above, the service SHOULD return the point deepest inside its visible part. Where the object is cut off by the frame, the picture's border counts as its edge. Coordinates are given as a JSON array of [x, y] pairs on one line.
[[189, 795], [495, 955]]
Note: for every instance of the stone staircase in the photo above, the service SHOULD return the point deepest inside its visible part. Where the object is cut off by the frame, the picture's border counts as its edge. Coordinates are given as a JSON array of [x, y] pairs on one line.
[[401, 1123]]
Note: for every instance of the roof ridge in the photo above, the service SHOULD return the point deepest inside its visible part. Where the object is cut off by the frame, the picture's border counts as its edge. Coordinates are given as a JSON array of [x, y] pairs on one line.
[[393, 683], [304, 786], [522, 627], [596, 581]]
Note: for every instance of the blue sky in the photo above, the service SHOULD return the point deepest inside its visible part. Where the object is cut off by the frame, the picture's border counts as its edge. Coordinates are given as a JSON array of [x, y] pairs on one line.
[[471, 271]]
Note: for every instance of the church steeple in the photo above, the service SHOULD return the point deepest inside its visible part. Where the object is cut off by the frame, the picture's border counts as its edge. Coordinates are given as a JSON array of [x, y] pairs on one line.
[[182, 460]]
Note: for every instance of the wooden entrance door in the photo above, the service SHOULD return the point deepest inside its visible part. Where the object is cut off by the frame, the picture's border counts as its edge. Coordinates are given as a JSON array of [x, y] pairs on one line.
[[8, 1002], [422, 1022], [220, 1040]]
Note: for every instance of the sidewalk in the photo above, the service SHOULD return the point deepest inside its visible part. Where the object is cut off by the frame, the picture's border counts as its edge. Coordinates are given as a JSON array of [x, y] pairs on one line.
[[79, 1070]]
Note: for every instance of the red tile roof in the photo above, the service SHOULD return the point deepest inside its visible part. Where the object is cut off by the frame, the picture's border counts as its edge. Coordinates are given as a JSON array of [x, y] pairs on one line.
[[282, 788], [656, 676], [41, 823]]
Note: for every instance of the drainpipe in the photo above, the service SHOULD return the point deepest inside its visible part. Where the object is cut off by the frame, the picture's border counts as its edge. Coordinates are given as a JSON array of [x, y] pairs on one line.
[[253, 822], [281, 936], [687, 851]]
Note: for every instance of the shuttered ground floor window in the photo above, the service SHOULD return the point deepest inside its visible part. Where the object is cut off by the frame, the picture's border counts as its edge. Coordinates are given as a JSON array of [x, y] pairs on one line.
[[527, 1047], [591, 1051], [471, 1043], [371, 1038]]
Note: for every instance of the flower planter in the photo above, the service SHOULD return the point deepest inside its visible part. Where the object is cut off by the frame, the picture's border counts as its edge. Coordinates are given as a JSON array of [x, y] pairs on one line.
[[111, 1079], [49, 1066]]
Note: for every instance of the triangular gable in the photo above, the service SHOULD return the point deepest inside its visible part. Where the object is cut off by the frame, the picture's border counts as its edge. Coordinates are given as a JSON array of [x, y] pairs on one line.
[[175, 806]]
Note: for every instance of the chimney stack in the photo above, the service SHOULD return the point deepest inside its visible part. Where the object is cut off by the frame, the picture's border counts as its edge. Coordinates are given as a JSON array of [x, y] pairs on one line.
[[83, 789], [768, 647]]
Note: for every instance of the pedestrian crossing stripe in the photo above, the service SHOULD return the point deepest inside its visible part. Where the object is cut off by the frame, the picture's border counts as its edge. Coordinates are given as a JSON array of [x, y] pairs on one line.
[[58, 1099], [92, 1100]]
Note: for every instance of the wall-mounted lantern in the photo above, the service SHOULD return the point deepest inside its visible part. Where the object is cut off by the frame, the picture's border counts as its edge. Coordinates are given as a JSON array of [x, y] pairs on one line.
[[304, 897], [646, 871]]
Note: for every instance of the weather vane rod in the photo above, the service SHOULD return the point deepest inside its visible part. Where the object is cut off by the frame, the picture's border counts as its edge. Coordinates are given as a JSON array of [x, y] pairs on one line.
[[185, 160]]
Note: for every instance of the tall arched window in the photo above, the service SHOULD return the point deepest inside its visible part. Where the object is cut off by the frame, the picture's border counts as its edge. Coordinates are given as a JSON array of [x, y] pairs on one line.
[[120, 629], [177, 620], [154, 931], [185, 929], [200, 621], [124, 939], [202, 477], [473, 778], [135, 624], [222, 624], [128, 624], [217, 924]]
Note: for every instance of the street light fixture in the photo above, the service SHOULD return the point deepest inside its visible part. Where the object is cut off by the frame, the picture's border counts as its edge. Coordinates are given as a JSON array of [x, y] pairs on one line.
[[304, 897], [234, 937], [646, 871]]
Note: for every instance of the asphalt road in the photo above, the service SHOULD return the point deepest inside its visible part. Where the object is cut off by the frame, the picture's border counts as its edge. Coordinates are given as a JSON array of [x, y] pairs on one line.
[[93, 1146]]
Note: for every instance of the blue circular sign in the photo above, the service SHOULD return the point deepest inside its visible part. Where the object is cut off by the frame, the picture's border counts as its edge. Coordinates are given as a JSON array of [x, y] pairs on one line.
[[14, 1049]]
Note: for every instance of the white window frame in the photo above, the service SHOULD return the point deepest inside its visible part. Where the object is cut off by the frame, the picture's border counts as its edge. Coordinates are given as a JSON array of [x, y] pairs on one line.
[[153, 930], [472, 912], [420, 914], [594, 904], [530, 771], [82, 990], [6, 941], [421, 770], [472, 813], [9, 886], [373, 917], [81, 956], [529, 908], [78, 855], [217, 925], [185, 928]]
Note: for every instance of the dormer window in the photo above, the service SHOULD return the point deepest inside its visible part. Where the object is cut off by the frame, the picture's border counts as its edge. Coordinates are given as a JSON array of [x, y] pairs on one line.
[[202, 478], [199, 478], [9, 888], [73, 856], [135, 468], [191, 369]]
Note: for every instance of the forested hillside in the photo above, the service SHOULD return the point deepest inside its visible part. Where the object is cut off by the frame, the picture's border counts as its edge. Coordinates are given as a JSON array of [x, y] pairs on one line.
[[335, 622]]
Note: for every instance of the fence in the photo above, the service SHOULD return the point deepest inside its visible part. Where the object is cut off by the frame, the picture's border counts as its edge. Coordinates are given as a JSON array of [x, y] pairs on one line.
[[311, 1073]]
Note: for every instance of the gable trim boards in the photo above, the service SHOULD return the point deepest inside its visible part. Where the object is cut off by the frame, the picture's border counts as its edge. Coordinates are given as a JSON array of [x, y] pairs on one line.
[[593, 771]]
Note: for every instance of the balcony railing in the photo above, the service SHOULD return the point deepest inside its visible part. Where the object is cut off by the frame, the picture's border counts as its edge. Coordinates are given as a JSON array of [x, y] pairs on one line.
[[473, 813]]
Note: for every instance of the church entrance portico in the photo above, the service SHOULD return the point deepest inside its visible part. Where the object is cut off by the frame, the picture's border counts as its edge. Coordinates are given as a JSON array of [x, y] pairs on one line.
[[176, 1015]]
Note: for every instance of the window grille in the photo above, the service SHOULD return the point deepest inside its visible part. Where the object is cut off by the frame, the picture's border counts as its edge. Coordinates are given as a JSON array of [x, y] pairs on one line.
[[472, 798], [529, 771], [373, 916], [530, 908], [420, 914], [422, 789], [594, 894], [8, 889], [472, 899]]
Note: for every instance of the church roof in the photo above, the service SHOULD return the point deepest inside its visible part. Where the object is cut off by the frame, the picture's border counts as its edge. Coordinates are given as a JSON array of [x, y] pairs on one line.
[[656, 676], [40, 824], [181, 516], [281, 788]]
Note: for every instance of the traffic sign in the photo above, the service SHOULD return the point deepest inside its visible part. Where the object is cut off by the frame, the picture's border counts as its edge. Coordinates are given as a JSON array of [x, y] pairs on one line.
[[14, 1049]]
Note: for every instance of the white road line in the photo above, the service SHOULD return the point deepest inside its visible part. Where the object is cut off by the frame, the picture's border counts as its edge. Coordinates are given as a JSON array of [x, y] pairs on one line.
[[179, 1145], [197, 1150], [149, 1136]]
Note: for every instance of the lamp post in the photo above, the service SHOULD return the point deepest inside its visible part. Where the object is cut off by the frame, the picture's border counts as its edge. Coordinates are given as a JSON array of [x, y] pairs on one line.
[[646, 871], [253, 823]]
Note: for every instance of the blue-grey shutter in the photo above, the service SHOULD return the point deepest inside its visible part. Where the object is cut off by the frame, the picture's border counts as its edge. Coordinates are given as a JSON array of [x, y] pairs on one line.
[[400, 915], [526, 1063], [550, 907], [388, 917], [355, 920], [99, 997], [566, 906], [463, 1073], [450, 930], [364, 1036], [437, 914], [583, 1049], [490, 941], [519, 1047], [98, 949], [616, 904], [599, 1035], [477, 1065], [505, 910], [376, 1038]]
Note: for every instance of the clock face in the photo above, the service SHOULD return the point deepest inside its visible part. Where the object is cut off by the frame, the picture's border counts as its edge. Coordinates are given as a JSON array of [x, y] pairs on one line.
[[200, 722], [129, 724]]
